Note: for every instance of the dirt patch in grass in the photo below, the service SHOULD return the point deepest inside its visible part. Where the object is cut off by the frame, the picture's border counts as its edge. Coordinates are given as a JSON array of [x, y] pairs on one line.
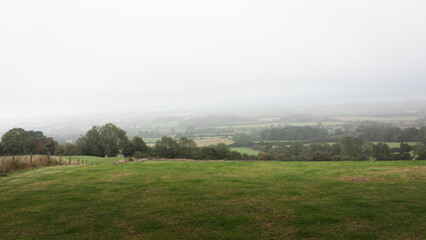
[[288, 198], [407, 169], [358, 179], [116, 175], [411, 172], [400, 169]]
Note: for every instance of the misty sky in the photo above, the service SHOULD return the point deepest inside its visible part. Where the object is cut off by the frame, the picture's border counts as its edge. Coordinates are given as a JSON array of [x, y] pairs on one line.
[[77, 57]]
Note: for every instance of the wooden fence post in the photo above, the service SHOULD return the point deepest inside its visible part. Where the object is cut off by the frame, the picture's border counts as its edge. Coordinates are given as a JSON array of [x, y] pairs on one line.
[[69, 161], [3, 164], [86, 162], [13, 161], [60, 158], [78, 161], [31, 159]]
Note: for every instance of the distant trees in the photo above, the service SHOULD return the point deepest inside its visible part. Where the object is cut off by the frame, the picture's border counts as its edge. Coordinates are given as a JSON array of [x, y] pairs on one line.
[[404, 152], [167, 147], [110, 140], [419, 151], [263, 156], [107, 140], [349, 149], [318, 155], [18, 141], [67, 149], [242, 140], [381, 151], [294, 133], [189, 149], [136, 148], [391, 134], [90, 143]]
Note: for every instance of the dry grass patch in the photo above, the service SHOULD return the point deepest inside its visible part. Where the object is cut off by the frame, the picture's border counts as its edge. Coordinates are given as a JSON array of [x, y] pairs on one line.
[[358, 179]]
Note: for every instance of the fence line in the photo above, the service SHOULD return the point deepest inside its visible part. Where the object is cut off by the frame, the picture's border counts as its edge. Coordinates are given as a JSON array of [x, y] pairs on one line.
[[12, 163]]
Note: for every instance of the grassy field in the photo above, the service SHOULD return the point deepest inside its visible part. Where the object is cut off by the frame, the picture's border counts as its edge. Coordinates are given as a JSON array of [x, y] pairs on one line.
[[245, 150], [172, 124], [216, 200], [397, 144], [91, 159], [212, 141]]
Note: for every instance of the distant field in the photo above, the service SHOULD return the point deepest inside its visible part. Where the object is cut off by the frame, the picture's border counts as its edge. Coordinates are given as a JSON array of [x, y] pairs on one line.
[[211, 141], [325, 124], [172, 124], [245, 150], [275, 124], [217, 200], [397, 144], [380, 119]]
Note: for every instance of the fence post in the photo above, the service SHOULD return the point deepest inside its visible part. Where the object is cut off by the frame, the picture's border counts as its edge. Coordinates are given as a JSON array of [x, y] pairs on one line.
[[31, 159], [69, 161], [60, 158], [13, 161], [78, 161], [86, 162], [3, 166]]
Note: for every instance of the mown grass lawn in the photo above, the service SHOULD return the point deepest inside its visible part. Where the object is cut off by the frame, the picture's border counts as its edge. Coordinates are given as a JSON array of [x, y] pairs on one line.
[[217, 200]]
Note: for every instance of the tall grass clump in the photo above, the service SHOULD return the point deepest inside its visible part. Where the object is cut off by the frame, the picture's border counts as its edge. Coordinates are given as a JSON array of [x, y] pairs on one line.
[[9, 164]]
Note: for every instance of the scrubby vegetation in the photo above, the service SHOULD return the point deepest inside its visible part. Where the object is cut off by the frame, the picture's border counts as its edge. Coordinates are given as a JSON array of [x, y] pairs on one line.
[[13, 163]]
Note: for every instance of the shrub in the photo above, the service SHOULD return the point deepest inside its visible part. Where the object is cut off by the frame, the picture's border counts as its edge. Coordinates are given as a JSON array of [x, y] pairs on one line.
[[320, 156], [263, 156], [139, 155]]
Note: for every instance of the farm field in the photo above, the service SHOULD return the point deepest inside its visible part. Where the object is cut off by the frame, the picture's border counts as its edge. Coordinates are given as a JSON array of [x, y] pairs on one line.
[[245, 150], [397, 144], [381, 119], [212, 141], [216, 200], [296, 124]]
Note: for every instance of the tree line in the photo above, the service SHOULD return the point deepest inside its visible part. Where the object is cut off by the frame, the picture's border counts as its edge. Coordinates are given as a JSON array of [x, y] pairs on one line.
[[348, 149], [370, 133], [110, 140]]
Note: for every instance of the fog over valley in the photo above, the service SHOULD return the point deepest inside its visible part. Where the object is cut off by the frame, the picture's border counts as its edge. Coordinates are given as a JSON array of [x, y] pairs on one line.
[[89, 57]]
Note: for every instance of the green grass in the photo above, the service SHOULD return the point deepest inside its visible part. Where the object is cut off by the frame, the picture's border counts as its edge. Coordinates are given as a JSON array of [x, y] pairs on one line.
[[397, 144], [245, 150], [216, 200], [91, 159], [212, 141], [172, 124]]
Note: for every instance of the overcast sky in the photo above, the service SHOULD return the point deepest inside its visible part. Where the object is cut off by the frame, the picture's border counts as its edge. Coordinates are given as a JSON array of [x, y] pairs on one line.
[[77, 57]]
